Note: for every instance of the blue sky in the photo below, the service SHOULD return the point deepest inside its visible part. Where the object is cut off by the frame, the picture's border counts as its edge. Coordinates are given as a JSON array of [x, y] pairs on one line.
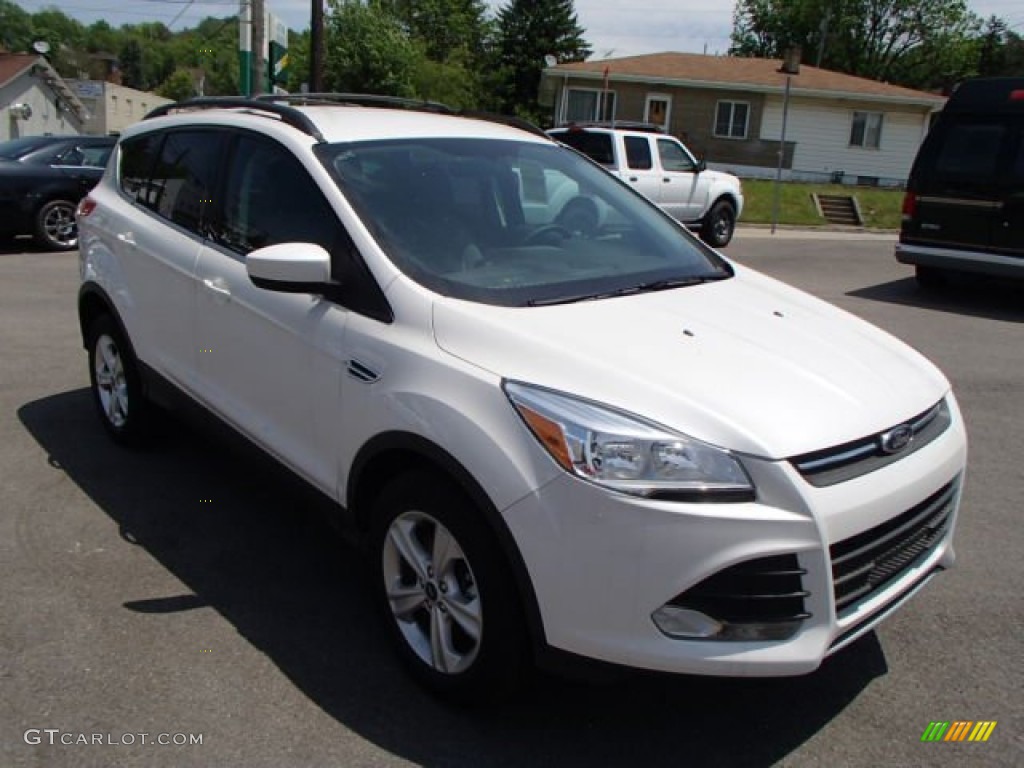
[[613, 27]]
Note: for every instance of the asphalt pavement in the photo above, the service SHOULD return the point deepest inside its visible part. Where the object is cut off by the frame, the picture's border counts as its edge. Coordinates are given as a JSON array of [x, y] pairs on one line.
[[192, 590]]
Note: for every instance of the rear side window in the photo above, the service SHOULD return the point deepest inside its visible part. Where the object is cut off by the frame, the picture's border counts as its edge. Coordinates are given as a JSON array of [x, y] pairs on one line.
[[184, 177], [596, 146], [638, 153], [138, 156], [970, 151]]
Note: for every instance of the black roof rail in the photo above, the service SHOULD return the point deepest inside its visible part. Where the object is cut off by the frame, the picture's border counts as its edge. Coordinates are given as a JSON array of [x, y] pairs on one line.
[[509, 120], [377, 100], [357, 99], [283, 106], [289, 115]]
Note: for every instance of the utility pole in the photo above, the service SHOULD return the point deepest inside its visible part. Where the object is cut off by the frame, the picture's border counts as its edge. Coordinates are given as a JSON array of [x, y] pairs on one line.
[[316, 47], [245, 48], [823, 31], [259, 47]]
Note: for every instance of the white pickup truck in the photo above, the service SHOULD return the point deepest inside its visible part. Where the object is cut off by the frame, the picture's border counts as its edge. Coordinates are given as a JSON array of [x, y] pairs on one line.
[[662, 168]]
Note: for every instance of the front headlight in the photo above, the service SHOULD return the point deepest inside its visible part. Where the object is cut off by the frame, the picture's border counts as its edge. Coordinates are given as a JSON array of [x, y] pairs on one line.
[[626, 453]]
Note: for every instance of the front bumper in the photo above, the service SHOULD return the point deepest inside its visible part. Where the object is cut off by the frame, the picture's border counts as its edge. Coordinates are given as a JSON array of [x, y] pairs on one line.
[[602, 563]]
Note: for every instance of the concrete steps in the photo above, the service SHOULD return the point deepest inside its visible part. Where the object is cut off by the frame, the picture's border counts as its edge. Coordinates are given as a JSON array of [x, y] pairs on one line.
[[839, 209]]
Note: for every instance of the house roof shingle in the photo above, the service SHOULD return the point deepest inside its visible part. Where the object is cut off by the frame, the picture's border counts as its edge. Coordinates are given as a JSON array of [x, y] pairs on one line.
[[744, 73], [13, 64]]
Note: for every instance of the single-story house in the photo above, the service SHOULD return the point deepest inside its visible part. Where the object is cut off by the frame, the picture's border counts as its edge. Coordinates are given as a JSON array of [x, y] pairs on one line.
[[838, 127], [35, 100]]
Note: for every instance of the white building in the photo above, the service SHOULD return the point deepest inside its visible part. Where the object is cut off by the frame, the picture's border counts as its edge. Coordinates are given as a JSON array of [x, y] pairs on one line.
[[35, 100], [113, 107]]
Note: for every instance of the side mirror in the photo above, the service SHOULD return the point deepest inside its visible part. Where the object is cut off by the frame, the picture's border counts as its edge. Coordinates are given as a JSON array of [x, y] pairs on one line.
[[290, 268], [702, 165]]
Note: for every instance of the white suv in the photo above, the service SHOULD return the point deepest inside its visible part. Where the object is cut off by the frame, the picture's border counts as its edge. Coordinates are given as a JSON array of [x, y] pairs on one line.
[[565, 428], [663, 169]]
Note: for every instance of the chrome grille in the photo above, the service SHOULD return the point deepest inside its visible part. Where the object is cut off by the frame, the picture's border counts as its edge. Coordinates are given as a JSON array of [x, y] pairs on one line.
[[869, 561], [850, 460]]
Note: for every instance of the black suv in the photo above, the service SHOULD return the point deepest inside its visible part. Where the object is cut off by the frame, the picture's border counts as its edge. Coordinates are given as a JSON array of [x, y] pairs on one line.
[[964, 206]]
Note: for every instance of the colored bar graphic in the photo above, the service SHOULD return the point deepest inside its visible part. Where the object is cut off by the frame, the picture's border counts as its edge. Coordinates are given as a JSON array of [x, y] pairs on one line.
[[982, 731], [958, 730], [934, 731]]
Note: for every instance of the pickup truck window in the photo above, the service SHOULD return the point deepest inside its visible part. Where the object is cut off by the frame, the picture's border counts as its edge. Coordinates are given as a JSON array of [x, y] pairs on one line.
[[673, 158], [638, 153], [596, 146]]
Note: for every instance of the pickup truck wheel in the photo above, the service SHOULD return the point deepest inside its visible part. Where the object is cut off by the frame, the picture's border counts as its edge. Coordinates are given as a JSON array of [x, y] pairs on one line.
[[56, 227], [116, 384], [719, 224], [446, 590]]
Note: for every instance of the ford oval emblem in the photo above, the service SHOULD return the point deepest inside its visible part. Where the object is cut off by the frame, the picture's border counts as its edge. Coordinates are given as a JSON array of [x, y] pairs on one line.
[[897, 438]]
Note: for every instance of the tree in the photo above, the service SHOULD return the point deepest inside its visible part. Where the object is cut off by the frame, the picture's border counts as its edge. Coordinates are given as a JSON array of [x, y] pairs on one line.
[[131, 63], [367, 50], [178, 86], [527, 32], [919, 43], [445, 28], [16, 31]]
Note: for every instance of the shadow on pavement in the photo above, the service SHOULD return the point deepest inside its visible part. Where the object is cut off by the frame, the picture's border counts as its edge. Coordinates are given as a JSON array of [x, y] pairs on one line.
[[264, 557], [976, 295]]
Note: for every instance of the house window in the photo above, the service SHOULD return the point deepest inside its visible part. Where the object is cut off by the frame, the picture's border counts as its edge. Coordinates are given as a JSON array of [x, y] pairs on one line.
[[866, 130], [731, 119], [584, 105], [656, 110]]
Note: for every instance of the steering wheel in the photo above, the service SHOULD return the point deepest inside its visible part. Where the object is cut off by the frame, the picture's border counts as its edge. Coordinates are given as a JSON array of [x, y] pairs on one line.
[[545, 231]]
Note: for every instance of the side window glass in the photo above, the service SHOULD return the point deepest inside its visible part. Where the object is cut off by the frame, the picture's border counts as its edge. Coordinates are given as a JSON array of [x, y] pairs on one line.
[[638, 153], [184, 178], [270, 199], [673, 158], [138, 156], [95, 157]]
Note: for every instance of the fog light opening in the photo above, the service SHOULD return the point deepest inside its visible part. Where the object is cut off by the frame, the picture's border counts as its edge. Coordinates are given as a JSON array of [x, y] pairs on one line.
[[688, 624]]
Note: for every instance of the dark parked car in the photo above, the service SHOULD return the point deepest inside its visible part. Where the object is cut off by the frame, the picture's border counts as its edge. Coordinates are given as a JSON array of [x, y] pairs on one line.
[[964, 207], [42, 178]]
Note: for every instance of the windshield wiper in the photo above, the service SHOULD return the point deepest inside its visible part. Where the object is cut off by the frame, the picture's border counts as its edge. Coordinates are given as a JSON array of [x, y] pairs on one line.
[[629, 290]]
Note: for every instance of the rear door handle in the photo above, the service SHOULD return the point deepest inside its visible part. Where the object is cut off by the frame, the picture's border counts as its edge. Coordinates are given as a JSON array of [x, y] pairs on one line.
[[128, 238]]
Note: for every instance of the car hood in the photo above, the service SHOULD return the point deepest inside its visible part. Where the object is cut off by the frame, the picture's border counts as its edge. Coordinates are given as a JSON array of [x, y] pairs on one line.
[[747, 363]]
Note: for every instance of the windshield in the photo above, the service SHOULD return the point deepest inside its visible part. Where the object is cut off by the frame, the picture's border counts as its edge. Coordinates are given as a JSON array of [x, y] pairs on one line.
[[513, 223]]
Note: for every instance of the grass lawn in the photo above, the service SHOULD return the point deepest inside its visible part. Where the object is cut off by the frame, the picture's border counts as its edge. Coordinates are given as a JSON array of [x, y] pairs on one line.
[[879, 207]]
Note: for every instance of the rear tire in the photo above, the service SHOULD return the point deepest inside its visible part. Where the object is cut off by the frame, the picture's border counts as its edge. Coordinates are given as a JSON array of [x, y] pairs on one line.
[[719, 224], [116, 383], [446, 591], [56, 227]]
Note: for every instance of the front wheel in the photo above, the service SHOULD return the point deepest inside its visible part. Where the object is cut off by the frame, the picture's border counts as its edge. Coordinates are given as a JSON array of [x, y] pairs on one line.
[[116, 384], [446, 590], [56, 227], [719, 224]]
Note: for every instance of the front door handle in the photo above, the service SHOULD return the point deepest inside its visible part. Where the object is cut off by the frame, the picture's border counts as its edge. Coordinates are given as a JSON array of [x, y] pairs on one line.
[[220, 293]]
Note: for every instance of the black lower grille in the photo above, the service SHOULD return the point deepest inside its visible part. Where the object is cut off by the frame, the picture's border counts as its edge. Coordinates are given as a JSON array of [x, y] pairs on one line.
[[764, 591], [867, 562]]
